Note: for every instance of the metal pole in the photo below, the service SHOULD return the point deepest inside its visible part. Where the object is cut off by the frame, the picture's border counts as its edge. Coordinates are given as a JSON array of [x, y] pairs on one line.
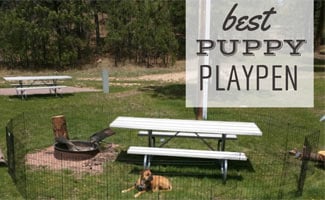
[[205, 9], [105, 79], [206, 58]]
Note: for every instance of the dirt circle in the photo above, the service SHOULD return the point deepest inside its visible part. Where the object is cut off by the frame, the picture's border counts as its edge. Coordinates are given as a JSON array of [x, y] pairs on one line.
[[45, 159]]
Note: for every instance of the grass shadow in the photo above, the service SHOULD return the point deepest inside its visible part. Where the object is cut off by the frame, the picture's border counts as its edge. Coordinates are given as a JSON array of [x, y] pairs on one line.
[[319, 69], [187, 167], [171, 91], [318, 61], [36, 96]]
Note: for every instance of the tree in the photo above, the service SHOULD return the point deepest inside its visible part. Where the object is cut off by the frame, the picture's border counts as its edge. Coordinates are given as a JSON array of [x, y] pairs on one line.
[[38, 33], [55, 33], [319, 15], [121, 15], [177, 13], [142, 31]]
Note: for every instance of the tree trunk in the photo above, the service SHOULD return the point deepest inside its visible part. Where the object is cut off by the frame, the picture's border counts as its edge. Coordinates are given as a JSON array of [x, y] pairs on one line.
[[319, 24], [198, 113], [60, 127], [97, 30]]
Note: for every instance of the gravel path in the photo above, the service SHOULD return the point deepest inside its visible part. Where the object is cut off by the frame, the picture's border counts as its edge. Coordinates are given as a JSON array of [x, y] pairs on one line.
[[169, 77]]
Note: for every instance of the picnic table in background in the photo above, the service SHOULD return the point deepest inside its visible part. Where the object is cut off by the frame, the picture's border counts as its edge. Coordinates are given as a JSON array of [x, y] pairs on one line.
[[25, 83]]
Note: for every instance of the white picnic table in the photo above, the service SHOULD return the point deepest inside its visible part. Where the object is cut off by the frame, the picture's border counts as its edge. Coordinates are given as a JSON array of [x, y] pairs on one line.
[[32, 78], [186, 125], [25, 83], [179, 126], [187, 128]]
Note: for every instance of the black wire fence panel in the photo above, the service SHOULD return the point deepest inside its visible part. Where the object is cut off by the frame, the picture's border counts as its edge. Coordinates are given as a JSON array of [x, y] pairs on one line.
[[269, 173], [17, 141]]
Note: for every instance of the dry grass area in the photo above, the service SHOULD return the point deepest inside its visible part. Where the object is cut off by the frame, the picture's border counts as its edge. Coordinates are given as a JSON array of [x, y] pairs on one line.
[[168, 77], [126, 74], [129, 72]]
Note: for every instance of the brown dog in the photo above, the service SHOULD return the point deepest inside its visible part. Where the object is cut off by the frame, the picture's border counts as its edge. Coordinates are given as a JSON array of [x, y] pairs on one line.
[[318, 157], [148, 182]]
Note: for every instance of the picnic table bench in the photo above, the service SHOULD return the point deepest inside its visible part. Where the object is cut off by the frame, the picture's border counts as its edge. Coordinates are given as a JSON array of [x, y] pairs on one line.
[[26, 83], [152, 127]]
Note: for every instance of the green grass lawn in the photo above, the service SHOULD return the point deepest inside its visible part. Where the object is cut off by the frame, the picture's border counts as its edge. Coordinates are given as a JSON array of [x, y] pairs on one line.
[[191, 179]]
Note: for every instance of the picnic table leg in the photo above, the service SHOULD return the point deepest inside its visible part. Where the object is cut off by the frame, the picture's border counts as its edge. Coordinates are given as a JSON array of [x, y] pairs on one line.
[[151, 139], [223, 144], [224, 163], [21, 91], [146, 161], [54, 89], [151, 143], [219, 142], [23, 94], [224, 170]]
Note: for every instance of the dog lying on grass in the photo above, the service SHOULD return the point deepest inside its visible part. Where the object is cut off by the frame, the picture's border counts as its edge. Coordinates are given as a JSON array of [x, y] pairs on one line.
[[148, 182], [318, 157], [2, 159]]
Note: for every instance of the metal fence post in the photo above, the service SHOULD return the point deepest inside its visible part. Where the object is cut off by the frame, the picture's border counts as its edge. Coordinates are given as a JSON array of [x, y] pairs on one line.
[[105, 79], [10, 151]]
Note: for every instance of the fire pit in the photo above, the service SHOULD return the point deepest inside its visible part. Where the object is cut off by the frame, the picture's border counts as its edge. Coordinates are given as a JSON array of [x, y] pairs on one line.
[[66, 149], [85, 150]]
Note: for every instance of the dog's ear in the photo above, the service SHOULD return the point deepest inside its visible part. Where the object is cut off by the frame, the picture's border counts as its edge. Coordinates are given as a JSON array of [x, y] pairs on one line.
[[148, 175], [150, 178], [146, 172]]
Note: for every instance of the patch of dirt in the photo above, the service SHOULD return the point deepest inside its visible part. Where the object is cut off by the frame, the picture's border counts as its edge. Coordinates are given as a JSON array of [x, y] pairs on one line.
[[125, 84], [105, 62], [170, 77], [45, 158]]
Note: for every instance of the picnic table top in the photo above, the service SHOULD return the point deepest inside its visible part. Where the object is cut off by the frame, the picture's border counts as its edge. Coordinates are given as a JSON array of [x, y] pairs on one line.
[[185, 125], [25, 78]]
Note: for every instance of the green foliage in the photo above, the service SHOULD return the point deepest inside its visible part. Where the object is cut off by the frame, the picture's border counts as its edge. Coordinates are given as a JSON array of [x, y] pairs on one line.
[[318, 22], [59, 33], [177, 12], [40, 33], [142, 31]]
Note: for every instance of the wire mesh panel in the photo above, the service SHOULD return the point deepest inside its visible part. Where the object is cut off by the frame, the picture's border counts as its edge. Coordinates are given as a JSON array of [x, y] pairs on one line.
[[17, 140], [11, 150], [309, 153], [269, 172]]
